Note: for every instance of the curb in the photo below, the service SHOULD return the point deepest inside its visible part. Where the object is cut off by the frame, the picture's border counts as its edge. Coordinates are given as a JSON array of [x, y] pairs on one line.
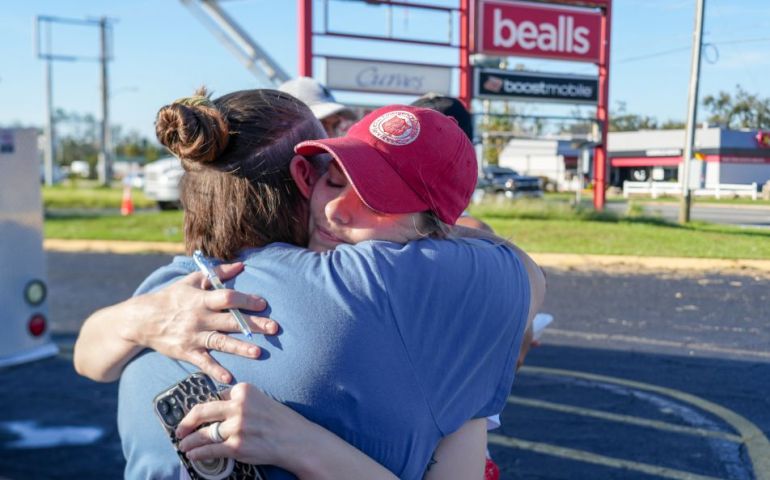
[[724, 206], [602, 262], [112, 246], [550, 260]]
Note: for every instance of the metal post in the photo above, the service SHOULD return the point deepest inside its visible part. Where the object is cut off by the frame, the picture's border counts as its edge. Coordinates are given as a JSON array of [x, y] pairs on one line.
[[105, 157], [305, 40], [466, 71], [49, 127], [692, 112], [602, 111]]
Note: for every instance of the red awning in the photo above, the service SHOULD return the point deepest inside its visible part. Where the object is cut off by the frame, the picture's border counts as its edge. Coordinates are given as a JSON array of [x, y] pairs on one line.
[[674, 161], [645, 161]]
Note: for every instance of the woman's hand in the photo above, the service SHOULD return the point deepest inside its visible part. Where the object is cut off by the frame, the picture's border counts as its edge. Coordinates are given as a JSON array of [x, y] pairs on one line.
[[184, 321], [255, 429]]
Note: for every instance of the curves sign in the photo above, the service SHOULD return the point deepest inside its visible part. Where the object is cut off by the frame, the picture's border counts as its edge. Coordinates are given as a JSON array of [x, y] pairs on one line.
[[537, 30]]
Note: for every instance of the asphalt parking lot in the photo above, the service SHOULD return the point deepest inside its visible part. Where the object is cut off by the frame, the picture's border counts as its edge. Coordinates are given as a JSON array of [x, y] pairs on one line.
[[642, 375]]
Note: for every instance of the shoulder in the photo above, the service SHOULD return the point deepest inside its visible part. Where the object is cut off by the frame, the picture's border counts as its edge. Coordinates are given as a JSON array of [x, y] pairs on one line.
[[179, 267], [452, 256]]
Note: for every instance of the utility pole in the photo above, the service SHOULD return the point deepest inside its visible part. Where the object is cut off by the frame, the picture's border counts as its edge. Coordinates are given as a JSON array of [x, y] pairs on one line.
[[49, 128], [105, 155], [45, 52], [48, 151], [692, 113]]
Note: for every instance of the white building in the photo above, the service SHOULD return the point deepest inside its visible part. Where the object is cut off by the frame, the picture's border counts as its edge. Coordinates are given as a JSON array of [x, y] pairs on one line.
[[555, 159], [728, 156]]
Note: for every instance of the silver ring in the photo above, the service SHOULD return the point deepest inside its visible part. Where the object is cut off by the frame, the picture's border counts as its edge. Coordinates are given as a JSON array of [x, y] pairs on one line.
[[214, 434], [208, 340]]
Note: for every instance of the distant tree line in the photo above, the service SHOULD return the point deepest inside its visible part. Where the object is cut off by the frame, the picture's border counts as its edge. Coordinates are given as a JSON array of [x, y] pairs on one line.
[[78, 137], [740, 109], [737, 110]]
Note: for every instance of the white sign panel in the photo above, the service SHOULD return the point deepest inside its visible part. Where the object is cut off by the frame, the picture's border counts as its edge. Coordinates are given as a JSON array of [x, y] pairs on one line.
[[387, 77]]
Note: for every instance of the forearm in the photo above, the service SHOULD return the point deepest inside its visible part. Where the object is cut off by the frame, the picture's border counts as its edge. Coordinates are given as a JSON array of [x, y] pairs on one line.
[[106, 342], [324, 455], [461, 455]]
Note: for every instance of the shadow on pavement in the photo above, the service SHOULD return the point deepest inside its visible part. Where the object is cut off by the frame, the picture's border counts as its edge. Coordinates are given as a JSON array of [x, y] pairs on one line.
[[50, 393]]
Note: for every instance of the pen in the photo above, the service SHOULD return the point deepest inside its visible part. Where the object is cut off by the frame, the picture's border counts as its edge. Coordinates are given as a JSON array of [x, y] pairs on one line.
[[208, 270]]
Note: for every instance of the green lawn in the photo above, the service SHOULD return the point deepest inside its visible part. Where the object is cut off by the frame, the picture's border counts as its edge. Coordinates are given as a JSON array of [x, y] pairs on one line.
[[79, 196], [549, 225], [555, 227], [152, 226], [633, 238]]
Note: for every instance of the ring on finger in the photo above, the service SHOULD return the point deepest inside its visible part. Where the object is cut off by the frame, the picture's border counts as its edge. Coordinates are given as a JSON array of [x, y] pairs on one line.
[[207, 343], [214, 434]]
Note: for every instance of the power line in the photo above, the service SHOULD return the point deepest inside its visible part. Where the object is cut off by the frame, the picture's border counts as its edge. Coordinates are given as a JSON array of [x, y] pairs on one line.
[[653, 55], [681, 49]]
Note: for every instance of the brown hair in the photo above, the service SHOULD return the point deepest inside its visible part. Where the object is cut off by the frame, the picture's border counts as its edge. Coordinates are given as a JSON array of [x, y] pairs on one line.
[[237, 191]]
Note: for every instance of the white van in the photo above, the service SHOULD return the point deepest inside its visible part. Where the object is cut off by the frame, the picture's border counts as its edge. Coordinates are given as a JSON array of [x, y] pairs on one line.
[[23, 289], [161, 182]]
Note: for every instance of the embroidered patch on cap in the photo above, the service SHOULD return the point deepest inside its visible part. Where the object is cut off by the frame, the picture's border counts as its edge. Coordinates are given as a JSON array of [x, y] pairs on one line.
[[396, 128]]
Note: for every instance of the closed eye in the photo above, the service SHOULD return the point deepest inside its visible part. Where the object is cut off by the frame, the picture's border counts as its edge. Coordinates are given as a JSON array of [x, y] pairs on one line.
[[333, 184]]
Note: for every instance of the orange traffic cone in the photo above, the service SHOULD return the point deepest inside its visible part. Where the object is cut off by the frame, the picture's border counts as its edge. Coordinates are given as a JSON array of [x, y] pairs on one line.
[[126, 205]]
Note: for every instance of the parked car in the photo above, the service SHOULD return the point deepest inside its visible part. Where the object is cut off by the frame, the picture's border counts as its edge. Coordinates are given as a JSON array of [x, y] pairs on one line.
[[161, 182], [496, 180], [58, 174]]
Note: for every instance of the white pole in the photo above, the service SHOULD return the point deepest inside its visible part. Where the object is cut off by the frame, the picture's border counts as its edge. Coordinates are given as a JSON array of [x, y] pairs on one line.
[[49, 128]]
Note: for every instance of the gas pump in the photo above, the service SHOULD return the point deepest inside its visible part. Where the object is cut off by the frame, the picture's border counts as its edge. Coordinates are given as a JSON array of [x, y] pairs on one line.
[[23, 288]]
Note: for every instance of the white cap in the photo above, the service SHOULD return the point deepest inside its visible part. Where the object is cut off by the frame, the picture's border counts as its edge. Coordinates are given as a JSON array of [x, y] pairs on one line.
[[316, 96]]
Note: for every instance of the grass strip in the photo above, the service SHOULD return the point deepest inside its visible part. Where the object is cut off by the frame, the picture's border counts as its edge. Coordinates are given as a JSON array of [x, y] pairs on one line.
[[151, 226], [555, 227], [537, 226], [75, 196]]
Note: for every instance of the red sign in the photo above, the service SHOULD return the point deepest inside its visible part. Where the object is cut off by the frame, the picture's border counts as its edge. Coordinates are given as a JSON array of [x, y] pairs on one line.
[[535, 30]]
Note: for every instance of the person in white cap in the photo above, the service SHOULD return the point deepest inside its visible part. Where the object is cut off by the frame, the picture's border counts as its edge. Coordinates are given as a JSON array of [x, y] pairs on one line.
[[335, 117]]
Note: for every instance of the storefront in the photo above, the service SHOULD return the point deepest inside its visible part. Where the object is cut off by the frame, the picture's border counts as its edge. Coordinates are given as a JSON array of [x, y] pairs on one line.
[[725, 156]]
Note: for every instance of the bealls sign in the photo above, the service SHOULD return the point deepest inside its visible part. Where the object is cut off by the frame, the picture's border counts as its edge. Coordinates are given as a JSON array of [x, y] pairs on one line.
[[534, 30]]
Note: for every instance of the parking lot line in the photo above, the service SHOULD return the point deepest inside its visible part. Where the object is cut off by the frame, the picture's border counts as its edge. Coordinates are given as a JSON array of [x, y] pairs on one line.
[[627, 419], [757, 445], [657, 342], [588, 457]]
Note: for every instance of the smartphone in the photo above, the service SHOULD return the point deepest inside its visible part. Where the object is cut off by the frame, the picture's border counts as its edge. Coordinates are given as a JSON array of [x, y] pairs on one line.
[[172, 405]]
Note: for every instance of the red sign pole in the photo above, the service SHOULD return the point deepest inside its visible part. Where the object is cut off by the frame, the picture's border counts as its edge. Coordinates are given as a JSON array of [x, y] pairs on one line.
[[466, 71], [305, 37], [602, 111]]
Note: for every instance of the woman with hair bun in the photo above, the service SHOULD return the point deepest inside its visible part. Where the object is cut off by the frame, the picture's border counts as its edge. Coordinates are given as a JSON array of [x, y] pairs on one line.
[[375, 345]]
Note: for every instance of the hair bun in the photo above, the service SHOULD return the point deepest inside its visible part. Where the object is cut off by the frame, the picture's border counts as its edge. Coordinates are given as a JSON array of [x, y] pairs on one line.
[[193, 128]]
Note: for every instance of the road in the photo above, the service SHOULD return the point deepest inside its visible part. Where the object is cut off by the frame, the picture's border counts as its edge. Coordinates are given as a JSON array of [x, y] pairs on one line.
[[741, 215], [642, 375]]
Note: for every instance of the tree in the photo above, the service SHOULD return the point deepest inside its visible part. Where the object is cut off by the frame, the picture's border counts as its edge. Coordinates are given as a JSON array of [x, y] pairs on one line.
[[78, 137], [739, 110], [503, 123], [622, 121], [672, 125]]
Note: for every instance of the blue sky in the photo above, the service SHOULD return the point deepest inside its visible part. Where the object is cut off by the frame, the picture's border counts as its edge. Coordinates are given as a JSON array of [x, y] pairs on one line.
[[163, 52]]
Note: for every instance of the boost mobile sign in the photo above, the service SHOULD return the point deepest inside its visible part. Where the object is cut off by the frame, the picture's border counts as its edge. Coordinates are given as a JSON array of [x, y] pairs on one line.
[[538, 87], [387, 77], [512, 28]]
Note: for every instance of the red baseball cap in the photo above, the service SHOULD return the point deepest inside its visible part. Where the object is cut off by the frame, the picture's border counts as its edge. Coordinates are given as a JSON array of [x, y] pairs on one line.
[[403, 159]]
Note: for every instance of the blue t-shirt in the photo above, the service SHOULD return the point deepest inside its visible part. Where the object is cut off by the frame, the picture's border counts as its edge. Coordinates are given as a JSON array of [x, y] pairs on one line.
[[389, 346]]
